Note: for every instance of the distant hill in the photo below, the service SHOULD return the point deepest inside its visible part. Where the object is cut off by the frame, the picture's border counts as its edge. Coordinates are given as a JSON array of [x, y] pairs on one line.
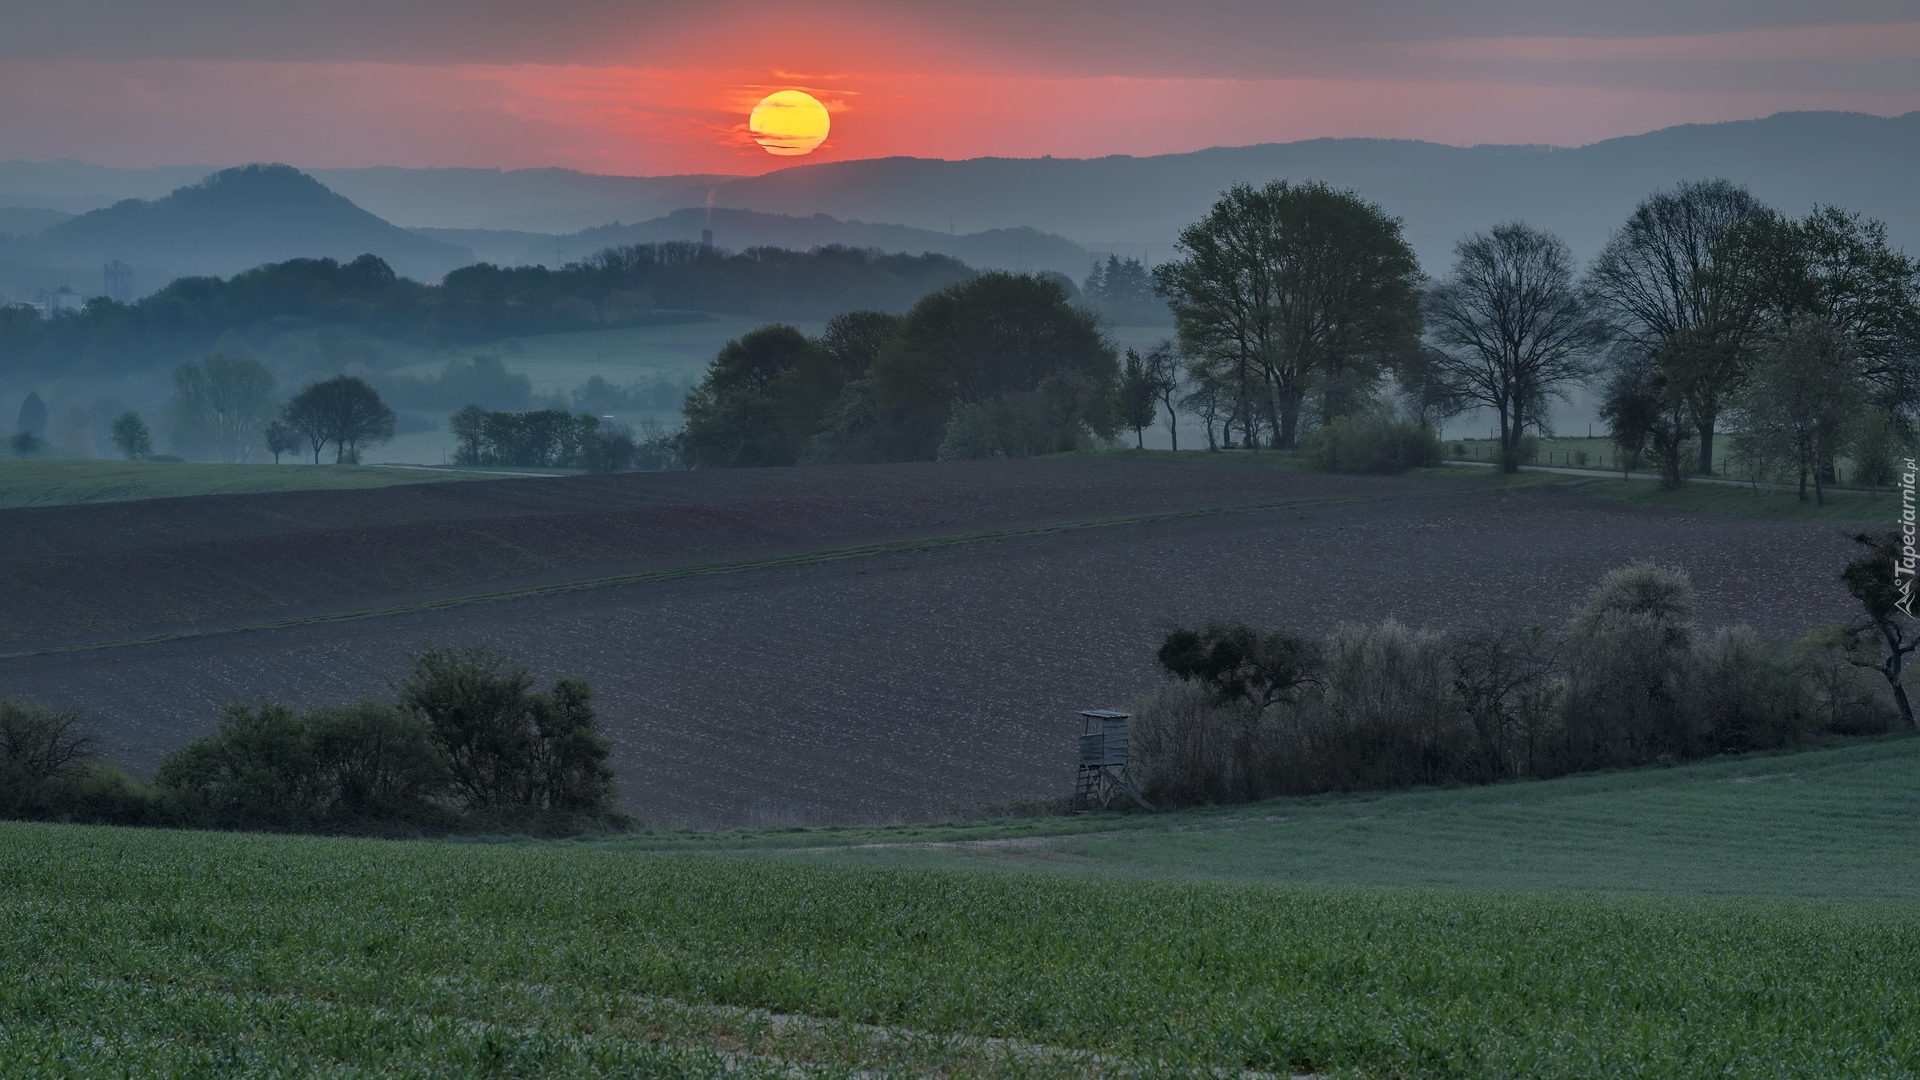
[[1136, 205], [1010, 249], [77, 187], [1792, 160], [234, 220], [538, 200], [27, 221]]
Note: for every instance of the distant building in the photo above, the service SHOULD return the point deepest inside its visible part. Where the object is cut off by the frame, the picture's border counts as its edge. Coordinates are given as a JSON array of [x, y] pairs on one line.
[[119, 278], [706, 239]]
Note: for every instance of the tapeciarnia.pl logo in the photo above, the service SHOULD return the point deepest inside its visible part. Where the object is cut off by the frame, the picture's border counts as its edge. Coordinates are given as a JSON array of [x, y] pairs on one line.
[[1903, 567]]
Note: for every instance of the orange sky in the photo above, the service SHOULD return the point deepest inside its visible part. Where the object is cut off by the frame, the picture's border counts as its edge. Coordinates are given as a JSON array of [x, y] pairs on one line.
[[668, 92]]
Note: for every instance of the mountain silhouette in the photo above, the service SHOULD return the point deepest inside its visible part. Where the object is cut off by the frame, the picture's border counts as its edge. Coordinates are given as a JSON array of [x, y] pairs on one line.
[[237, 219], [1790, 160]]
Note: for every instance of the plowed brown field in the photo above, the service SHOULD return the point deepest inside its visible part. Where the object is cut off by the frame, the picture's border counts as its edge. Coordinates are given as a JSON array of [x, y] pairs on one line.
[[935, 663]]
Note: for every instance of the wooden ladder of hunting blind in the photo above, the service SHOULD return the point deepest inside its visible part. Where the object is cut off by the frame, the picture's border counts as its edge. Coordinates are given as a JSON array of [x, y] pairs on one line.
[[1103, 761]]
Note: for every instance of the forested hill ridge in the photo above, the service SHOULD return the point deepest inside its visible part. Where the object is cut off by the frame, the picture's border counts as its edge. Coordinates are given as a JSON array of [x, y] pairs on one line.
[[1018, 249], [629, 286], [232, 221]]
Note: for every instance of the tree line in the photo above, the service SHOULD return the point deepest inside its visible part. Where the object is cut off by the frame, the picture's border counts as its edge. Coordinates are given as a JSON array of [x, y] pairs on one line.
[[1704, 307], [1000, 364], [1627, 680], [1303, 319], [636, 285], [228, 407], [468, 744]]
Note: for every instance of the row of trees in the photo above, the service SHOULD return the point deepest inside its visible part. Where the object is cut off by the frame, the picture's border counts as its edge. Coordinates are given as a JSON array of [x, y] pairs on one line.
[[641, 284], [555, 438], [228, 407], [1294, 303], [999, 364], [1627, 680], [468, 744]]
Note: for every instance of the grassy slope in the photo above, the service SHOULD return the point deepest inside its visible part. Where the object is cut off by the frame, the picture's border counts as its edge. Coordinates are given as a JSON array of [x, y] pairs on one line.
[[153, 952], [60, 483], [1835, 823]]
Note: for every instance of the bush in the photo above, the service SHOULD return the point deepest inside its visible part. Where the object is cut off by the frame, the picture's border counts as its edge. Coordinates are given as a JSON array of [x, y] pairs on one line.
[[968, 436], [470, 747], [1627, 682], [1371, 442], [48, 771], [507, 748]]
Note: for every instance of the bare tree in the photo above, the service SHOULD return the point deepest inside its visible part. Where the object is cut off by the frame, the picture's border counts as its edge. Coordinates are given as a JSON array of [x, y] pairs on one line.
[[223, 404], [1512, 327], [1168, 378], [1882, 580], [1661, 284]]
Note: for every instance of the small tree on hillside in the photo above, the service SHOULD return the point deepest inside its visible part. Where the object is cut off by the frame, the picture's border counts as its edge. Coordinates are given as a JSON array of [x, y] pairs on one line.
[[344, 411], [132, 436], [1882, 580], [280, 439]]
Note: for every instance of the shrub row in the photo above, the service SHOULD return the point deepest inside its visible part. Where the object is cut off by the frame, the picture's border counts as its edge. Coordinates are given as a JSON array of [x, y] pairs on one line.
[[1628, 681], [467, 746]]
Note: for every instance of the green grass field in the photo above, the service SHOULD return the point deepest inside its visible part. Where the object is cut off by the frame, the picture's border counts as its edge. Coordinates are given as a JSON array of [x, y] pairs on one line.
[[64, 482], [1749, 917]]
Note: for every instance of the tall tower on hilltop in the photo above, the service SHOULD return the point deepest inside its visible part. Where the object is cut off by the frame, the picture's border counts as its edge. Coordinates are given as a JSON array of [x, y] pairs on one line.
[[119, 278]]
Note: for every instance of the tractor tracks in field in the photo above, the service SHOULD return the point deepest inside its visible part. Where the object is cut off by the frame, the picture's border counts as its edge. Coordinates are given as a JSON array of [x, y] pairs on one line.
[[739, 566]]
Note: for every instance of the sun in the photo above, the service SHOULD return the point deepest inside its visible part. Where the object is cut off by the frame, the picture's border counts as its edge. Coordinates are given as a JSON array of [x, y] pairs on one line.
[[789, 123]]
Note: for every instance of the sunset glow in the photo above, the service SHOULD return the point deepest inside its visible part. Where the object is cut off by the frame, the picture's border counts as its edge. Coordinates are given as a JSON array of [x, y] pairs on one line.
[[651, 90], [789, 123]]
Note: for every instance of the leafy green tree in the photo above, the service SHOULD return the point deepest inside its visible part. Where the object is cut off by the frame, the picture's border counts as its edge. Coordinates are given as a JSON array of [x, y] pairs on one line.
[[33, 416], [508, 748], [344, 411], [1011, 343], [734, 416], [1643, 409], [1837, 269], [1299, 287], [570, 758], [257, 768], [1135, 398], [1122, 291], [1882, 580], [1512, 327], [376, 760], [1663, 283], [1634, 404], [1800, 398], [1238, 663], [280, 439], [132, 436]]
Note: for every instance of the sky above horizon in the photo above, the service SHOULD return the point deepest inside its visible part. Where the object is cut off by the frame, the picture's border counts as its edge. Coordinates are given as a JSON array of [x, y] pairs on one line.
[[642, 87]]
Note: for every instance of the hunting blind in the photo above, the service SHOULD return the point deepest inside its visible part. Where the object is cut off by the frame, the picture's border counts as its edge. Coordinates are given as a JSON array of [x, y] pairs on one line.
[[1103, 760]]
